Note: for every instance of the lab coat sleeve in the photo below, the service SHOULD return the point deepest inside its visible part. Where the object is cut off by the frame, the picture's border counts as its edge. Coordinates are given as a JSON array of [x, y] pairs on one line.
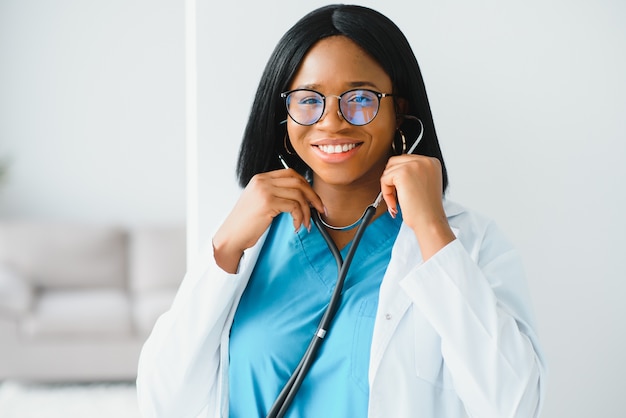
[[179, 366], [475, 296]]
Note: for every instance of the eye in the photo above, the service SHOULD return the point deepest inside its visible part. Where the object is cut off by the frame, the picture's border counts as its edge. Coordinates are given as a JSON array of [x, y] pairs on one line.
[[361, 97], [310, 100], [307, 98]]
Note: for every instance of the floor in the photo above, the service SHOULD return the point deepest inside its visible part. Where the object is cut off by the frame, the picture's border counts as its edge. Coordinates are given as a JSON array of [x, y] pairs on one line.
[[102, 400]]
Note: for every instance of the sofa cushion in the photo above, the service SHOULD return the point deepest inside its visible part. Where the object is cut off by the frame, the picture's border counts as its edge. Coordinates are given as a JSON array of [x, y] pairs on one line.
[[64, 255], [99, 313], [157, 258], [15, 293], [148, 306]]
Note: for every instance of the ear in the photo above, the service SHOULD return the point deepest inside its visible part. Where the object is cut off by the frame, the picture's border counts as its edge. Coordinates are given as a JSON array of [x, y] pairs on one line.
[[402, 107]]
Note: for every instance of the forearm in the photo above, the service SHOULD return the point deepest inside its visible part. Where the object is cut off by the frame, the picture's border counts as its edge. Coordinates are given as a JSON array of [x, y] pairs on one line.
[[226, 257], [433, 235]]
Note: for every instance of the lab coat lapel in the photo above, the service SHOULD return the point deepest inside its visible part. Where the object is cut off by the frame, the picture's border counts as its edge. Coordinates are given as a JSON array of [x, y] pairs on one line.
[[393, 302]]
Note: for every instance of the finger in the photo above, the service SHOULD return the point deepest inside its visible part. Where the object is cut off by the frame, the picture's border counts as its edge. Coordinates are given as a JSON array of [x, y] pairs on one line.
[[300, 213], [290, 185], [294, 201], [388, 190], [392, 180], [289, 178]]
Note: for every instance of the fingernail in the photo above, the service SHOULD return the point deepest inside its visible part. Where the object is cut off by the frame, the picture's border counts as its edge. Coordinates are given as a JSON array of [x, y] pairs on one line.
[[325, 211], [393, 212], [308, 228]]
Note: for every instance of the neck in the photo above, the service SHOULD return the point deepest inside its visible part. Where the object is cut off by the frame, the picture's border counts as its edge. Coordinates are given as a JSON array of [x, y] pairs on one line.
[[346, 204]]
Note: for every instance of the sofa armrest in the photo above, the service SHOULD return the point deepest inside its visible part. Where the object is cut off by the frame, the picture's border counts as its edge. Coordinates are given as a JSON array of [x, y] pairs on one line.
[[16, 294]]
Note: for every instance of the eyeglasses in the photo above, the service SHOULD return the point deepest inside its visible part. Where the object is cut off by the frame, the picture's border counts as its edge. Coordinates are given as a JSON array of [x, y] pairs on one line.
[[358, 106]]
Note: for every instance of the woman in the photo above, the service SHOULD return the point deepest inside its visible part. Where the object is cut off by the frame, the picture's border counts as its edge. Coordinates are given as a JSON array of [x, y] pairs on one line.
[[434, 317]]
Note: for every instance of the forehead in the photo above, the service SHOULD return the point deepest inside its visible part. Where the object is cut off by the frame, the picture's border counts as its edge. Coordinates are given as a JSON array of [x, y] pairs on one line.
[[337, 63]]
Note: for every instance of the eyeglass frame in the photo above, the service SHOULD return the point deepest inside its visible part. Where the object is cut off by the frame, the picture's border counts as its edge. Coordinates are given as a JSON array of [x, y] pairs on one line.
[[378, 94]]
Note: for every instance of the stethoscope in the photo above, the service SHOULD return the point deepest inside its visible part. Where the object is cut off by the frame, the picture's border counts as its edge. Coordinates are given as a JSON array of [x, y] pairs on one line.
[[288, 393]]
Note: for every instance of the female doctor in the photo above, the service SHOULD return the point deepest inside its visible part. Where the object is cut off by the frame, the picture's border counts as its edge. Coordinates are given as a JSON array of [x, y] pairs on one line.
[[433, 318]]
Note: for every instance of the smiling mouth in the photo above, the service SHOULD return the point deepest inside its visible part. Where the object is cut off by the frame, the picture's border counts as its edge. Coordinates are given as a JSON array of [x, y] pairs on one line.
[[336, 149]]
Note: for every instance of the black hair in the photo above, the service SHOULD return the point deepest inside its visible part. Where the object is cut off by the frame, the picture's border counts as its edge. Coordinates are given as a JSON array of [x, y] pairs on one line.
[[263, 137]]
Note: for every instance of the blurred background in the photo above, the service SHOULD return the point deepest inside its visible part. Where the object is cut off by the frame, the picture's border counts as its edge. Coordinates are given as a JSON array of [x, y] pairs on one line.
[[102, 125], [92, 110], [92, 197]]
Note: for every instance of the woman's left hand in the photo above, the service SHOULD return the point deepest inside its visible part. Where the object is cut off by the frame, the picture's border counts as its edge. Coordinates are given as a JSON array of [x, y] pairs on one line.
[[415, 183]]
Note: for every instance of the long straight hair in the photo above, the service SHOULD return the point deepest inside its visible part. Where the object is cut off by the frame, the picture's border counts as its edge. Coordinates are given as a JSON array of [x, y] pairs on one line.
[[263, 137]]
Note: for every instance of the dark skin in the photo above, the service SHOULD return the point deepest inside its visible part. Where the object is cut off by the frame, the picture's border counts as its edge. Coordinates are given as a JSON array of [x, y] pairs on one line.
[[345, 179]]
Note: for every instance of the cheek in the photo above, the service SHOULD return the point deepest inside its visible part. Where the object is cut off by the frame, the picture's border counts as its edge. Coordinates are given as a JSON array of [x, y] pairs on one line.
[[385, 131], [296, 135], [385, 139], [388, 128]]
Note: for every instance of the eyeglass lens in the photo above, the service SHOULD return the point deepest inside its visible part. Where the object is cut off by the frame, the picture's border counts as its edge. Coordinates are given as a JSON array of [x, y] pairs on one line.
[[358, 107]]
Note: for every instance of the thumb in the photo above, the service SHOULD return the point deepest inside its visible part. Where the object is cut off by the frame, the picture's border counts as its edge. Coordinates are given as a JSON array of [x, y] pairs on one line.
[[390, 197]]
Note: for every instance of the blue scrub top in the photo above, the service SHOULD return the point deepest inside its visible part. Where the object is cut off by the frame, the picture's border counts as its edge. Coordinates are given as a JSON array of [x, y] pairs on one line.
[[280, 310]]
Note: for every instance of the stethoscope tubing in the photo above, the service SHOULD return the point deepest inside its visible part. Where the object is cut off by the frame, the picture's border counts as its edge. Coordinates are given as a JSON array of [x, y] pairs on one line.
[[287, 394]]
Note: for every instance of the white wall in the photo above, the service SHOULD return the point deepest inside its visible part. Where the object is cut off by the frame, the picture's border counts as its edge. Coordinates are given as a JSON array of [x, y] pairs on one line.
[[529, 100], [92, 110]]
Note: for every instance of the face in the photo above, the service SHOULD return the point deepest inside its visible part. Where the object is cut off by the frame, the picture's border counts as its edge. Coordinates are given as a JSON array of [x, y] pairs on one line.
[[340, 153]]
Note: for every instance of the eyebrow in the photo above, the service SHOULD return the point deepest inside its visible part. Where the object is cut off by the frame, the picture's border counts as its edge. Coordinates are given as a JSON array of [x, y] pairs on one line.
[[351, 84]]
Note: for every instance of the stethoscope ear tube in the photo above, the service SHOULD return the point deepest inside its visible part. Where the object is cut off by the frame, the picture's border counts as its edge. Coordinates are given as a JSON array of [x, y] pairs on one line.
[[290, 389]]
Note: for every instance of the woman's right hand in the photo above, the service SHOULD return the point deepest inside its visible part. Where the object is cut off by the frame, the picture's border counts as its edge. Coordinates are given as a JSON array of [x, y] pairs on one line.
[[265, 196]]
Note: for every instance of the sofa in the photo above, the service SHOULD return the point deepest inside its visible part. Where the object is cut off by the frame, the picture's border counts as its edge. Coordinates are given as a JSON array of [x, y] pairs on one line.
[[77, 301]]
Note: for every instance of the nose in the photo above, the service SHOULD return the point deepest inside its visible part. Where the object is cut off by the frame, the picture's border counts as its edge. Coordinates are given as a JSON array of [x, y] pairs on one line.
[[330, 102]]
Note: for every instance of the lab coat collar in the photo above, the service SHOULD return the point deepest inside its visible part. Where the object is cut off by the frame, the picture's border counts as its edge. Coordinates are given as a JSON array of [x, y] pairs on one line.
[[452, 208]]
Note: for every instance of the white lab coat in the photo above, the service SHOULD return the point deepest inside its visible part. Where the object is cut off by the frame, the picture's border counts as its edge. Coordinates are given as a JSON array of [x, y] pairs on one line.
[[453, 337]]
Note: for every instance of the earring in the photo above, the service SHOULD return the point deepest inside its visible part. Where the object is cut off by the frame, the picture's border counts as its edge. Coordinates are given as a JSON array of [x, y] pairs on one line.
[[393, 143], [286, 146]]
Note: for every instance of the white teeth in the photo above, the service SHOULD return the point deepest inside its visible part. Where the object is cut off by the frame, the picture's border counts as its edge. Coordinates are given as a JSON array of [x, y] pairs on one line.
[[336, 149]]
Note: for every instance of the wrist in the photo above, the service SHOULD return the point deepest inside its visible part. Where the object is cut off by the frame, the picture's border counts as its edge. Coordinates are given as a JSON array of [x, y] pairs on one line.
[[226, 257], [433, 236]]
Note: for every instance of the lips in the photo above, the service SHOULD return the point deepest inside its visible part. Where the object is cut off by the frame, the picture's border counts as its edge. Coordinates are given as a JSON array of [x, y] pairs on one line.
[[336, 149]]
